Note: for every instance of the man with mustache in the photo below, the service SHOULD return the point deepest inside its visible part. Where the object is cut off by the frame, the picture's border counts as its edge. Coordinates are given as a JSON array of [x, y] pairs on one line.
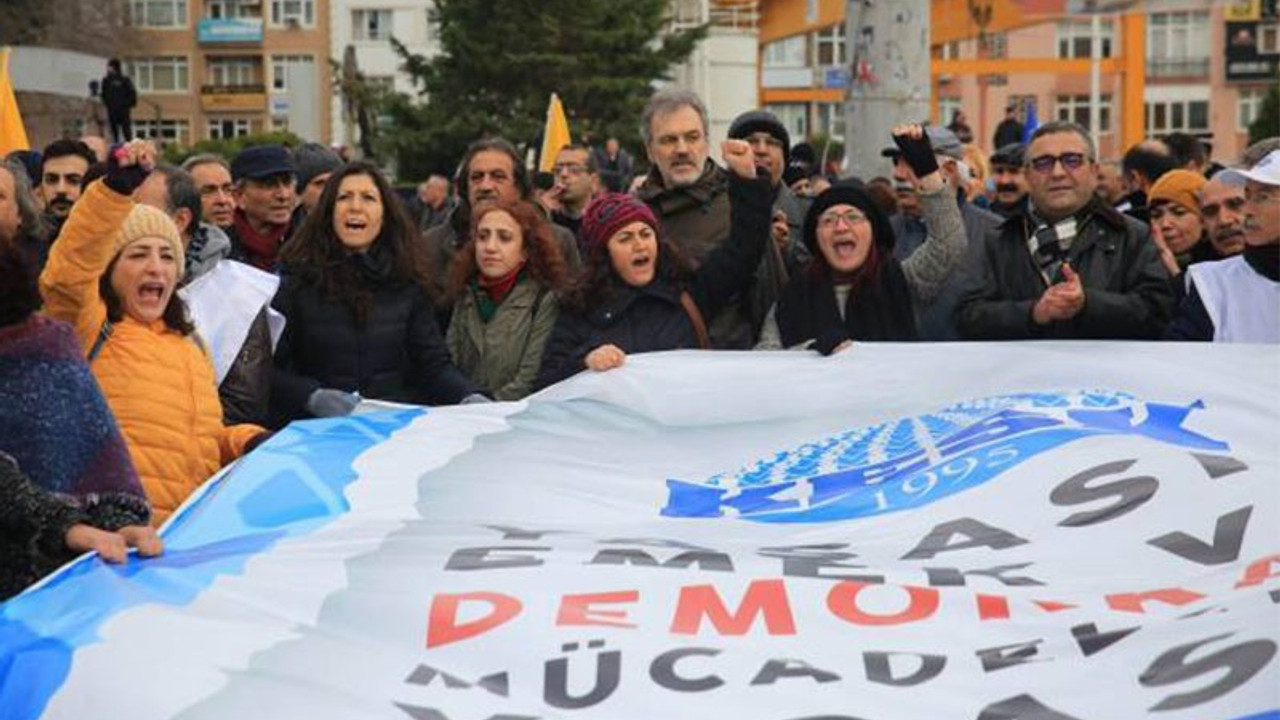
[[1222, 207], [1238, 299], [1070, 267], [935, 318], [62, 168], [1011, 184], [491, 170]]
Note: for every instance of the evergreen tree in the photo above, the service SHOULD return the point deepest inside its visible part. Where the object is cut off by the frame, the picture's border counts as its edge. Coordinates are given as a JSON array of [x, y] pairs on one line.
[[1267, 124], [502, 59]]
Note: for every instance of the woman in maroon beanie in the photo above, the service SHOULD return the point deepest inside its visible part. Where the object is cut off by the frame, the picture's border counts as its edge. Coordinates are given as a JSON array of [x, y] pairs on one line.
[[637, 294]]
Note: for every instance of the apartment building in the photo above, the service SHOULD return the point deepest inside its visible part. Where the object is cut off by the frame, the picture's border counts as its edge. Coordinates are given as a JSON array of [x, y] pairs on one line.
[[362, 30], [228, 68], [1206, 67]]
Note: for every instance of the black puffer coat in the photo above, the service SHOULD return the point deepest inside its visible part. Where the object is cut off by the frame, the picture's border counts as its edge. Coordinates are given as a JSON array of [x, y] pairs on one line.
[[398, 354], [652, 318]]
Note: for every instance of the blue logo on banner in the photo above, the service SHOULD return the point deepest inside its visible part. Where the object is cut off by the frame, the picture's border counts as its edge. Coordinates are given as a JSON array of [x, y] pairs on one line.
[[915, 461]]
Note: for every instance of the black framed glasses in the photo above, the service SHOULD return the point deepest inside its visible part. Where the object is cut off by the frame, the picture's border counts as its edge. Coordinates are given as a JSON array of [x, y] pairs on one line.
[[1071, 161]]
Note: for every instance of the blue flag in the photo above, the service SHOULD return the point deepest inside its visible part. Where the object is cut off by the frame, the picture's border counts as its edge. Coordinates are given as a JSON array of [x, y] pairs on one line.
[[1033, 122]]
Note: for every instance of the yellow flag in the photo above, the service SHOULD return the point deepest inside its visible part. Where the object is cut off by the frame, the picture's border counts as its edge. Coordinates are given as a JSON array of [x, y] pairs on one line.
[[13, 134], [554, 136]]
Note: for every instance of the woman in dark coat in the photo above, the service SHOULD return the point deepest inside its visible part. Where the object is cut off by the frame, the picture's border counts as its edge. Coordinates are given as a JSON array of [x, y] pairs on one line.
[[638, 295], [854, 289], [358, 319]]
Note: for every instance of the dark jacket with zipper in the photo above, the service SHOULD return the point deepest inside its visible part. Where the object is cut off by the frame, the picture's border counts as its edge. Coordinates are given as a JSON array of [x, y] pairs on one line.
[[652, 318], [397, 354], [697, 220], [1126, 287]]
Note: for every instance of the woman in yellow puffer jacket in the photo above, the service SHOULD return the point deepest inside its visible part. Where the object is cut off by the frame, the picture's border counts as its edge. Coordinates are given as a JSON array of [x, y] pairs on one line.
[[112, 274]]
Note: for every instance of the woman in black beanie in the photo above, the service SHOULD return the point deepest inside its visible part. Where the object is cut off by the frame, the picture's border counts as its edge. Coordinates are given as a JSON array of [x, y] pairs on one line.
[[854, 289]]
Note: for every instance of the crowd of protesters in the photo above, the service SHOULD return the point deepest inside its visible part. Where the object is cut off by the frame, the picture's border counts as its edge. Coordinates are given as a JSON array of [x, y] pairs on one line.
[[158, 322]]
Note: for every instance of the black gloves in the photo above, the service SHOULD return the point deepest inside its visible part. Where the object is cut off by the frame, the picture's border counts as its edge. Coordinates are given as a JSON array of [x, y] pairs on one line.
[[918, 153], [827, 342], [123, 180]]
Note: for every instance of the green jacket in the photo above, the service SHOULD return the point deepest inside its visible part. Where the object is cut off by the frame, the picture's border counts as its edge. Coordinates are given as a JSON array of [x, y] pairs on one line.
[[503, 355]]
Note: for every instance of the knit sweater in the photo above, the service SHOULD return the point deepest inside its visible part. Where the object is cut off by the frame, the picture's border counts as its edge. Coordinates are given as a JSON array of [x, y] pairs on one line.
[[57, 426]]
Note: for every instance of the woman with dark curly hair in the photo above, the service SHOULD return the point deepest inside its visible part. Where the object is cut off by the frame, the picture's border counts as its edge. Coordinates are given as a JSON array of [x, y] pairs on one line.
[[504, 283], [638, 295], [113, 275], [358, 319]]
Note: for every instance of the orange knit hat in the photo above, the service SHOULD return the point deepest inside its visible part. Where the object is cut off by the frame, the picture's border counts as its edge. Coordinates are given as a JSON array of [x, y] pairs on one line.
[[1178, 186]]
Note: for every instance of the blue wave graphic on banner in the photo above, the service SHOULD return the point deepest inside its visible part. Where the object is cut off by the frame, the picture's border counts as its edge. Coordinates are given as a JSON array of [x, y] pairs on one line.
[[916, 461], [299, 479]]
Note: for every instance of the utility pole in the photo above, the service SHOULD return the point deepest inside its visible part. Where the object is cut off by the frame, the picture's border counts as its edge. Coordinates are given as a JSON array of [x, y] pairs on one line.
[[889, 77]]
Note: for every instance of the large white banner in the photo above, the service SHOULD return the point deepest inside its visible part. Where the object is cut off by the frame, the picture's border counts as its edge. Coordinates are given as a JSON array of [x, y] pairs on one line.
[[1055, 531]]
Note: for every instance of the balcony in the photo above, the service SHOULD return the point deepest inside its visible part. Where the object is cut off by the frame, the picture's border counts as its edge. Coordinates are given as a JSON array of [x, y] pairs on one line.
[[1186, 67], [240, 31], [234, 98]]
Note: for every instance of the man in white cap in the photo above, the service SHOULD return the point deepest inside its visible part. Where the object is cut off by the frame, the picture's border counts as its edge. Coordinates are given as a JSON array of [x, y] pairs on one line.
[[1238, 299]]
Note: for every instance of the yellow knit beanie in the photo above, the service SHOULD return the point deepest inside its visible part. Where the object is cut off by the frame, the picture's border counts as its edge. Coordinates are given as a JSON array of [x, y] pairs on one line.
[[145, 221], [1179, 186]]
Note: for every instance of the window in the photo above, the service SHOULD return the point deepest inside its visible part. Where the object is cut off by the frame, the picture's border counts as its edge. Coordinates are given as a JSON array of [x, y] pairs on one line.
[[282, 64], [370, 24], [232, 71], [949, 51], [1076, 109], [166, 131], [381, 83], [828, 46], [232, 9], [1166, 116], [997, 45], [293, 12], [158, 74], [789, 52], [1250, 100], [433, 28], [793, 116], [947, 107], [156, 13], [226, 128], [830, 120], [1269, 39], [1178, 44], [1074, 39]]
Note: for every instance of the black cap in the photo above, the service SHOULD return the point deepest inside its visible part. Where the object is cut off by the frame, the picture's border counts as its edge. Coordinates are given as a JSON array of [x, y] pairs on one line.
[[1011, 154], [848, 192], [755, 121], [795, 172], [262, 161]]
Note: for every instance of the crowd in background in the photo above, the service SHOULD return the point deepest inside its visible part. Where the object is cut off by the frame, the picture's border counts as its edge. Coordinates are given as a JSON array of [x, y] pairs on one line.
[[159, 322]]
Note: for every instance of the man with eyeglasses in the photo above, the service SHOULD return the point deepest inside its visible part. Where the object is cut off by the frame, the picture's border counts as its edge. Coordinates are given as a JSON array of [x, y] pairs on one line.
[[265, 192], [577, 181], [1070, 267], [1238, 299]]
